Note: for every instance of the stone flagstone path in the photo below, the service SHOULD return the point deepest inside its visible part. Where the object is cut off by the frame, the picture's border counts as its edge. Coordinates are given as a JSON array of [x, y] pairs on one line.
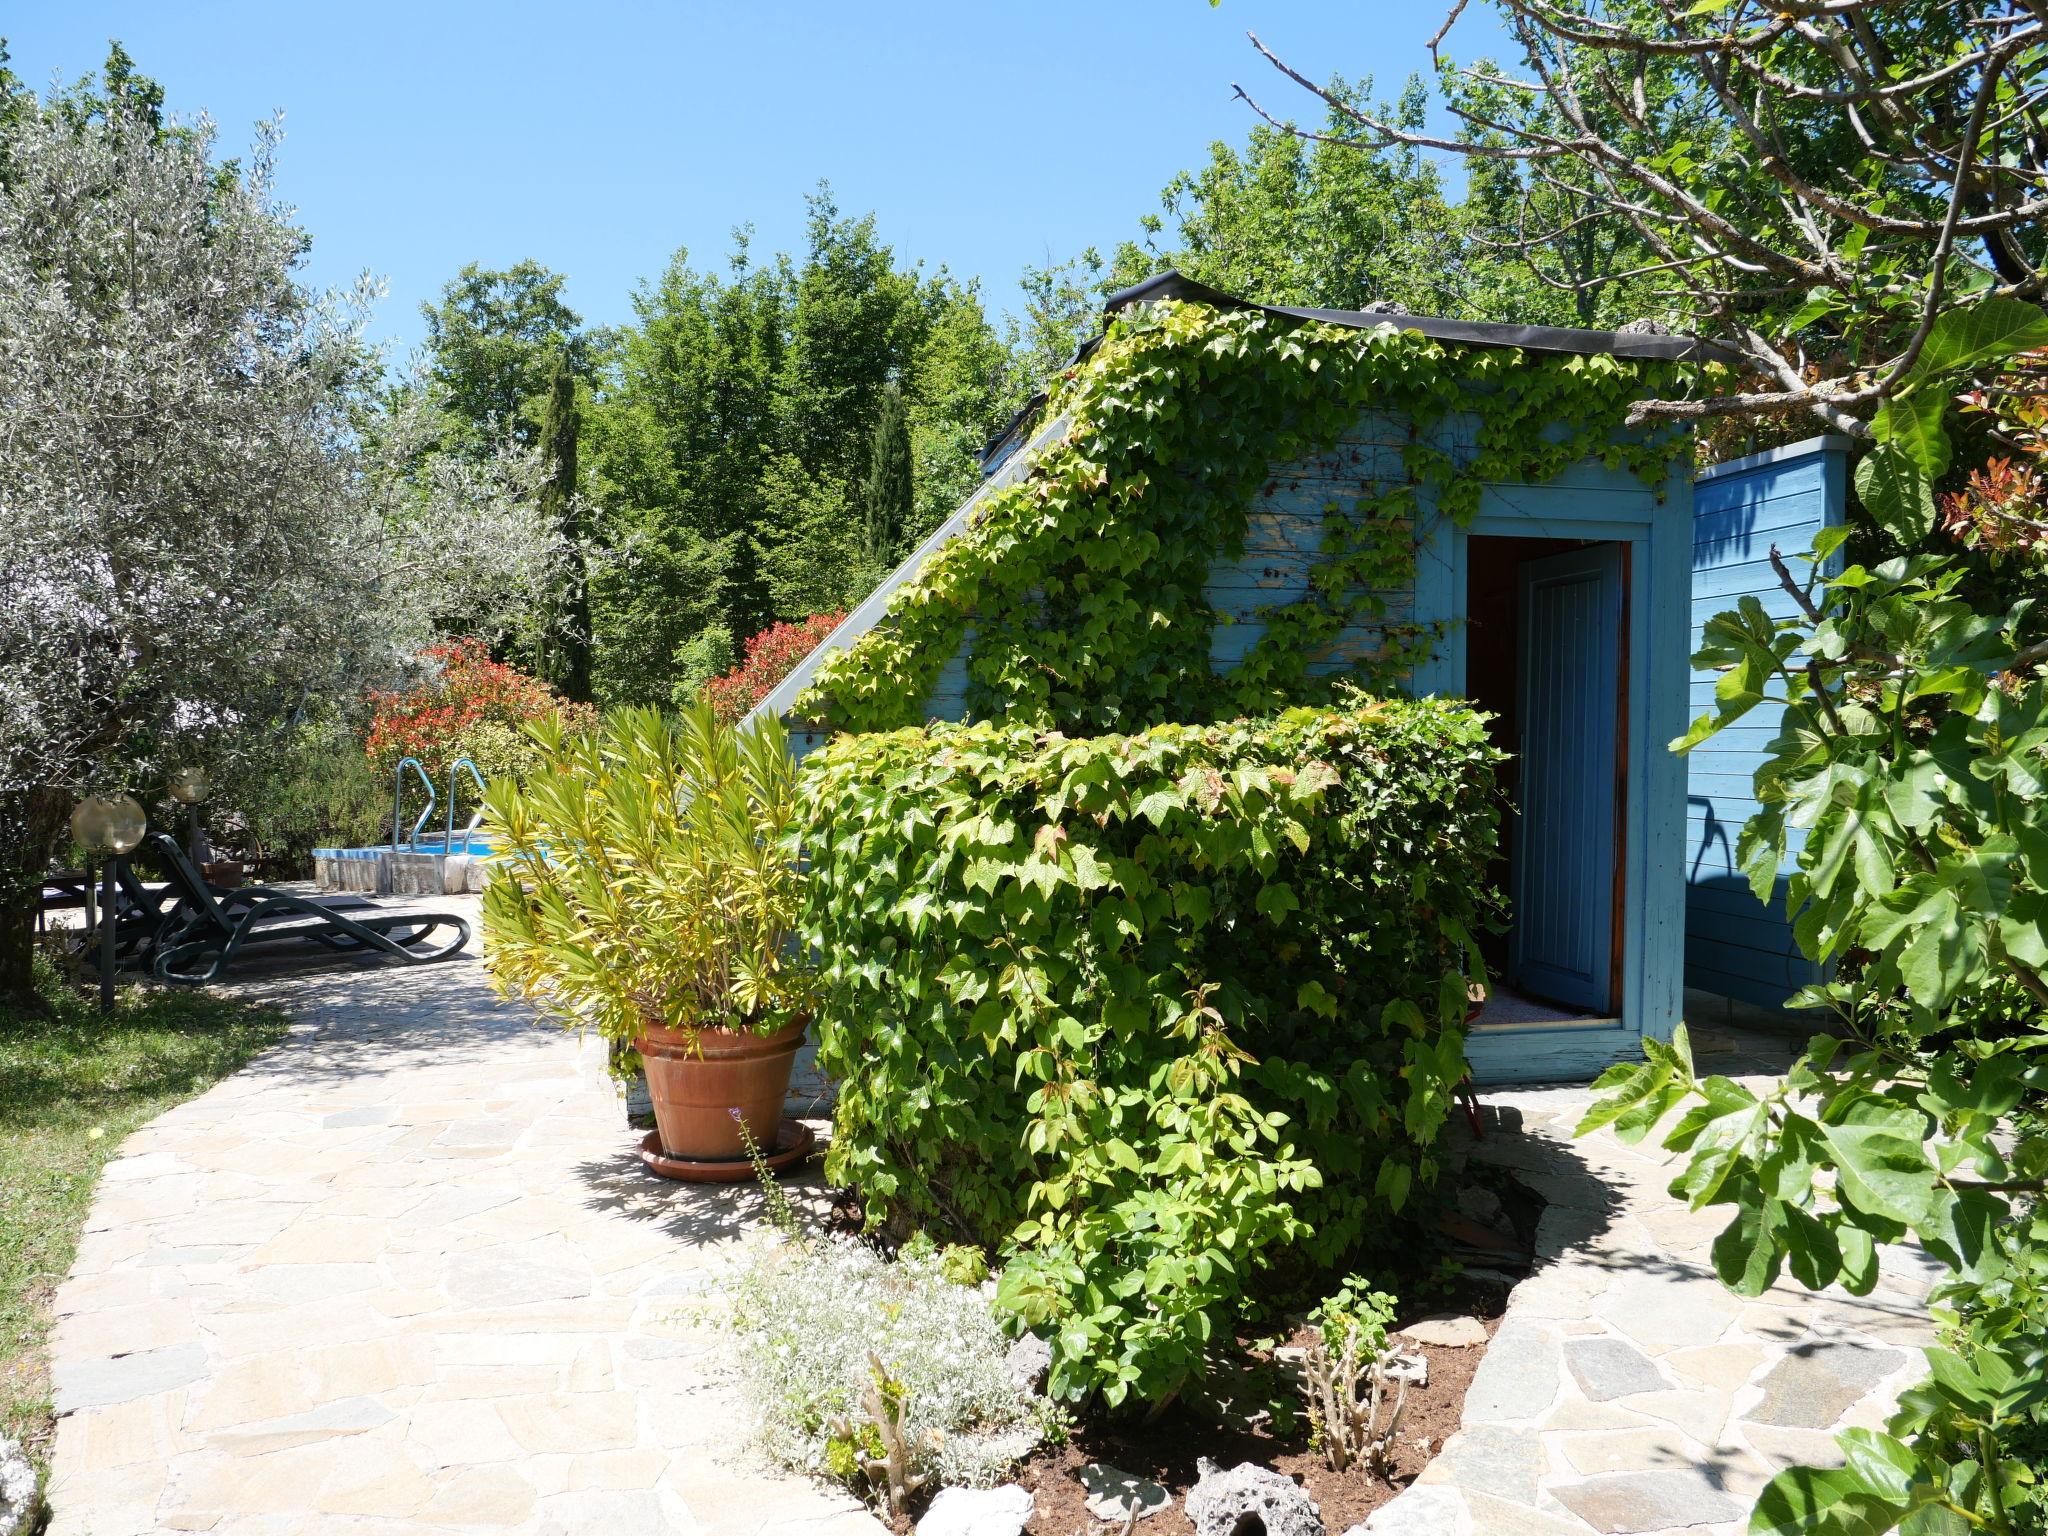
[[1626, 1391], [402, 1274]]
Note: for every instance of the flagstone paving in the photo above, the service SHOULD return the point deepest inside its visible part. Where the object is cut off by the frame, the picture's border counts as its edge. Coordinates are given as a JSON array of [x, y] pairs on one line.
[[1625, 1390], [403, 1274]]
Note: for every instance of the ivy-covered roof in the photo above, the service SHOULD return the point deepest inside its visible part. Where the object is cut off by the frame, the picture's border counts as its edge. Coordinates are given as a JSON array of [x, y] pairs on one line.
[[1079, 565], [1567, 340]]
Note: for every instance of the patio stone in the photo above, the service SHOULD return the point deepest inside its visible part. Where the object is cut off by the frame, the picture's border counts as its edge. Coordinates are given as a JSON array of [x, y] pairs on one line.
[[1518, 1376], [1608, 1368], [1497, 1517], [93, 1383], [1426, 1509], [1816, 1383], [1494, 1460], [1660, 1314], [1631, 1502], [1701, 1412], [492, 1278]]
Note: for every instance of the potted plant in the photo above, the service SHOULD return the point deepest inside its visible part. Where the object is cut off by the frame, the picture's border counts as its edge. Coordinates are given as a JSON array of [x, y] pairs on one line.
[[643, 885]]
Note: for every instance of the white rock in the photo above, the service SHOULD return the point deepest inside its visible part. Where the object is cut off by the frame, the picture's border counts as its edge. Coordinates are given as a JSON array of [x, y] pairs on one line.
[[18, 1498], [1413, 1369], [1250, 1497], [978, 1512], [1450, 1330], [1114, 1494], [1030, 1361]]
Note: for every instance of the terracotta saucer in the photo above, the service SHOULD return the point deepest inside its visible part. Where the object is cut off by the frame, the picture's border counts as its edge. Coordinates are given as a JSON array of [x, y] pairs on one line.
[[793, 1143]]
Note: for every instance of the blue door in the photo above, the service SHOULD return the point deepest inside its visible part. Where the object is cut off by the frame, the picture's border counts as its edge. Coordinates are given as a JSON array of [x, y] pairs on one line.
[[1562, 942]]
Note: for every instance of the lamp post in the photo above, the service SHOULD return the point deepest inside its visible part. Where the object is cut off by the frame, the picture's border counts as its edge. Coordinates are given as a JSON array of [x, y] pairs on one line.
[[110, 825], [189, 786]]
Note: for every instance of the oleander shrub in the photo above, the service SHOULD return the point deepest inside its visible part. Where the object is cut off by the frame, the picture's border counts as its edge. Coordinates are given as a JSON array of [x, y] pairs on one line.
[[1157, 1018], [467, 706]]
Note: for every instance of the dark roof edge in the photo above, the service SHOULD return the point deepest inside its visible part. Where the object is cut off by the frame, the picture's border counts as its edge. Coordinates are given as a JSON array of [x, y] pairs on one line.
[[1170, 284], [1478, 333]]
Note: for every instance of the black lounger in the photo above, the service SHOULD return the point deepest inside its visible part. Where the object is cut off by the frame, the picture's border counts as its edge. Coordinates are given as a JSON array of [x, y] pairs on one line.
[[206, 931]]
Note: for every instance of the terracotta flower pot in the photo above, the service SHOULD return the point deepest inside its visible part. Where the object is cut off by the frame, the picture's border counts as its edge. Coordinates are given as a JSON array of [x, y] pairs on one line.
[[697, 1078]]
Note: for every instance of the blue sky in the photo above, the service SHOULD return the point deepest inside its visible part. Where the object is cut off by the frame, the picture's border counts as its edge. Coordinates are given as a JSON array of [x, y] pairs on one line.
[[598, 137]]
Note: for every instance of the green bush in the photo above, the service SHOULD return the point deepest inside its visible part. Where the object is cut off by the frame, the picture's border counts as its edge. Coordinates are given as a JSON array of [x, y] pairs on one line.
[[1153, 1015], [312, 788]]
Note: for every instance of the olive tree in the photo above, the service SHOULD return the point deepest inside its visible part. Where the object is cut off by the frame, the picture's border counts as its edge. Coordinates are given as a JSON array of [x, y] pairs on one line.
[[197, 535]]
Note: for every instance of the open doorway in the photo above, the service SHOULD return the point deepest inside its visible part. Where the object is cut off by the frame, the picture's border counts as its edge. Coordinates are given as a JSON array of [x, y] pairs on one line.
[[1546, 654]]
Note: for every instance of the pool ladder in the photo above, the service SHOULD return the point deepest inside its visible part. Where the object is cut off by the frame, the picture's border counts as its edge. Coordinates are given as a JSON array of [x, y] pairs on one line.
[[409, 842], [412, 839], [476, 817]]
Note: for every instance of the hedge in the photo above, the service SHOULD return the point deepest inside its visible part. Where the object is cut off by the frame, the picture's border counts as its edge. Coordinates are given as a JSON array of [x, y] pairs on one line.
[[1152, 1016]]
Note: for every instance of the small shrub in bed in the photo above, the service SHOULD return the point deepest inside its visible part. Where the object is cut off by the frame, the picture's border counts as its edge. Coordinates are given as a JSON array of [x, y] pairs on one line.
[[1153, 1016], [811, 1321]]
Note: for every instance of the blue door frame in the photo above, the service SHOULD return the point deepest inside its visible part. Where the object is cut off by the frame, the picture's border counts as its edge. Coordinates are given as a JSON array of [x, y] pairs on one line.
[[1655, 537]]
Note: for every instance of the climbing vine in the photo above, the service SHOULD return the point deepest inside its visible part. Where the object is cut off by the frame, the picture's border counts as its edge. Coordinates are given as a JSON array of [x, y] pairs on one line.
[[1082, 583]]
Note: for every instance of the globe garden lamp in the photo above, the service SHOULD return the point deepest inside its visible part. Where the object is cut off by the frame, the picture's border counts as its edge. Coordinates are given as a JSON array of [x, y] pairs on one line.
[[110, 825], [188, 786]]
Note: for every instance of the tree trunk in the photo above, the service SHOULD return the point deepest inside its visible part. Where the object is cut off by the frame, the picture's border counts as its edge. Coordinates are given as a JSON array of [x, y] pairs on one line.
[[32, 829], [18, 948]]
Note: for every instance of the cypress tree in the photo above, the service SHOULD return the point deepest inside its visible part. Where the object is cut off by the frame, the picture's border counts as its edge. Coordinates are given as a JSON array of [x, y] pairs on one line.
[[887, 494], [560, 425]]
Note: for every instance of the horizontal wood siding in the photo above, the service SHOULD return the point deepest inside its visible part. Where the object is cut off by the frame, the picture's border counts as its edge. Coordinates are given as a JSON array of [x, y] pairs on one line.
[[1735, 945], [1289, 521], [1301, 505]]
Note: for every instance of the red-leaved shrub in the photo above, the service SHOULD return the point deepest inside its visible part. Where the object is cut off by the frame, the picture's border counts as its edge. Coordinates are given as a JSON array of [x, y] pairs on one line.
[[472, 707], [770, 657]]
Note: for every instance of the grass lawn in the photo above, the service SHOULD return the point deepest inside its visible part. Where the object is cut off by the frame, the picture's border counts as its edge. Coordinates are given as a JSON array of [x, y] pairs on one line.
[[72, 1084]]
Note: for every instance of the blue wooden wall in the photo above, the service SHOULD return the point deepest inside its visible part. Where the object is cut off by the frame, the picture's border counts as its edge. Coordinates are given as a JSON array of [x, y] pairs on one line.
[[1588, 501], [1736, 946]]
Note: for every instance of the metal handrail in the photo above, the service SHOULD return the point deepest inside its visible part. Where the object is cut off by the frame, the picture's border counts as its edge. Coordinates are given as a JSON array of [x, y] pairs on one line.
[[476, 818], [398, 802]]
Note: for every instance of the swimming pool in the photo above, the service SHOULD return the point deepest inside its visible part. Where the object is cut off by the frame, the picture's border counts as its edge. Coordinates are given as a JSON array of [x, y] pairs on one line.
[[427, 867]]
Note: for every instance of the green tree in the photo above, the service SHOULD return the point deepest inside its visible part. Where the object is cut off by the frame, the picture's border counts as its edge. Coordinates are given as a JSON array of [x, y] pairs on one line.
[[561, 504], [887, 496], [684, 422], [1307, 219], [732, 430], [201, 545], [492, 343]]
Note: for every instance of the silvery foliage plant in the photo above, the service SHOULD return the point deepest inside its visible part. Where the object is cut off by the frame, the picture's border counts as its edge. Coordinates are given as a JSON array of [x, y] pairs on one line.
[[208, 515], [810, 1318]]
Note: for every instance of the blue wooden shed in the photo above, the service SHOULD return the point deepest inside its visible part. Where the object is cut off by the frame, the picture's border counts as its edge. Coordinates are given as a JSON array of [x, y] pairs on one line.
[[1735, 946], [1568, 611]]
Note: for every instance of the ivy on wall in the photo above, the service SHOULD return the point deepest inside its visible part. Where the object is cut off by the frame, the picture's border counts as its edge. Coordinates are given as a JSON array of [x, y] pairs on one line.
[[1169, 1020], [1083, 583]]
